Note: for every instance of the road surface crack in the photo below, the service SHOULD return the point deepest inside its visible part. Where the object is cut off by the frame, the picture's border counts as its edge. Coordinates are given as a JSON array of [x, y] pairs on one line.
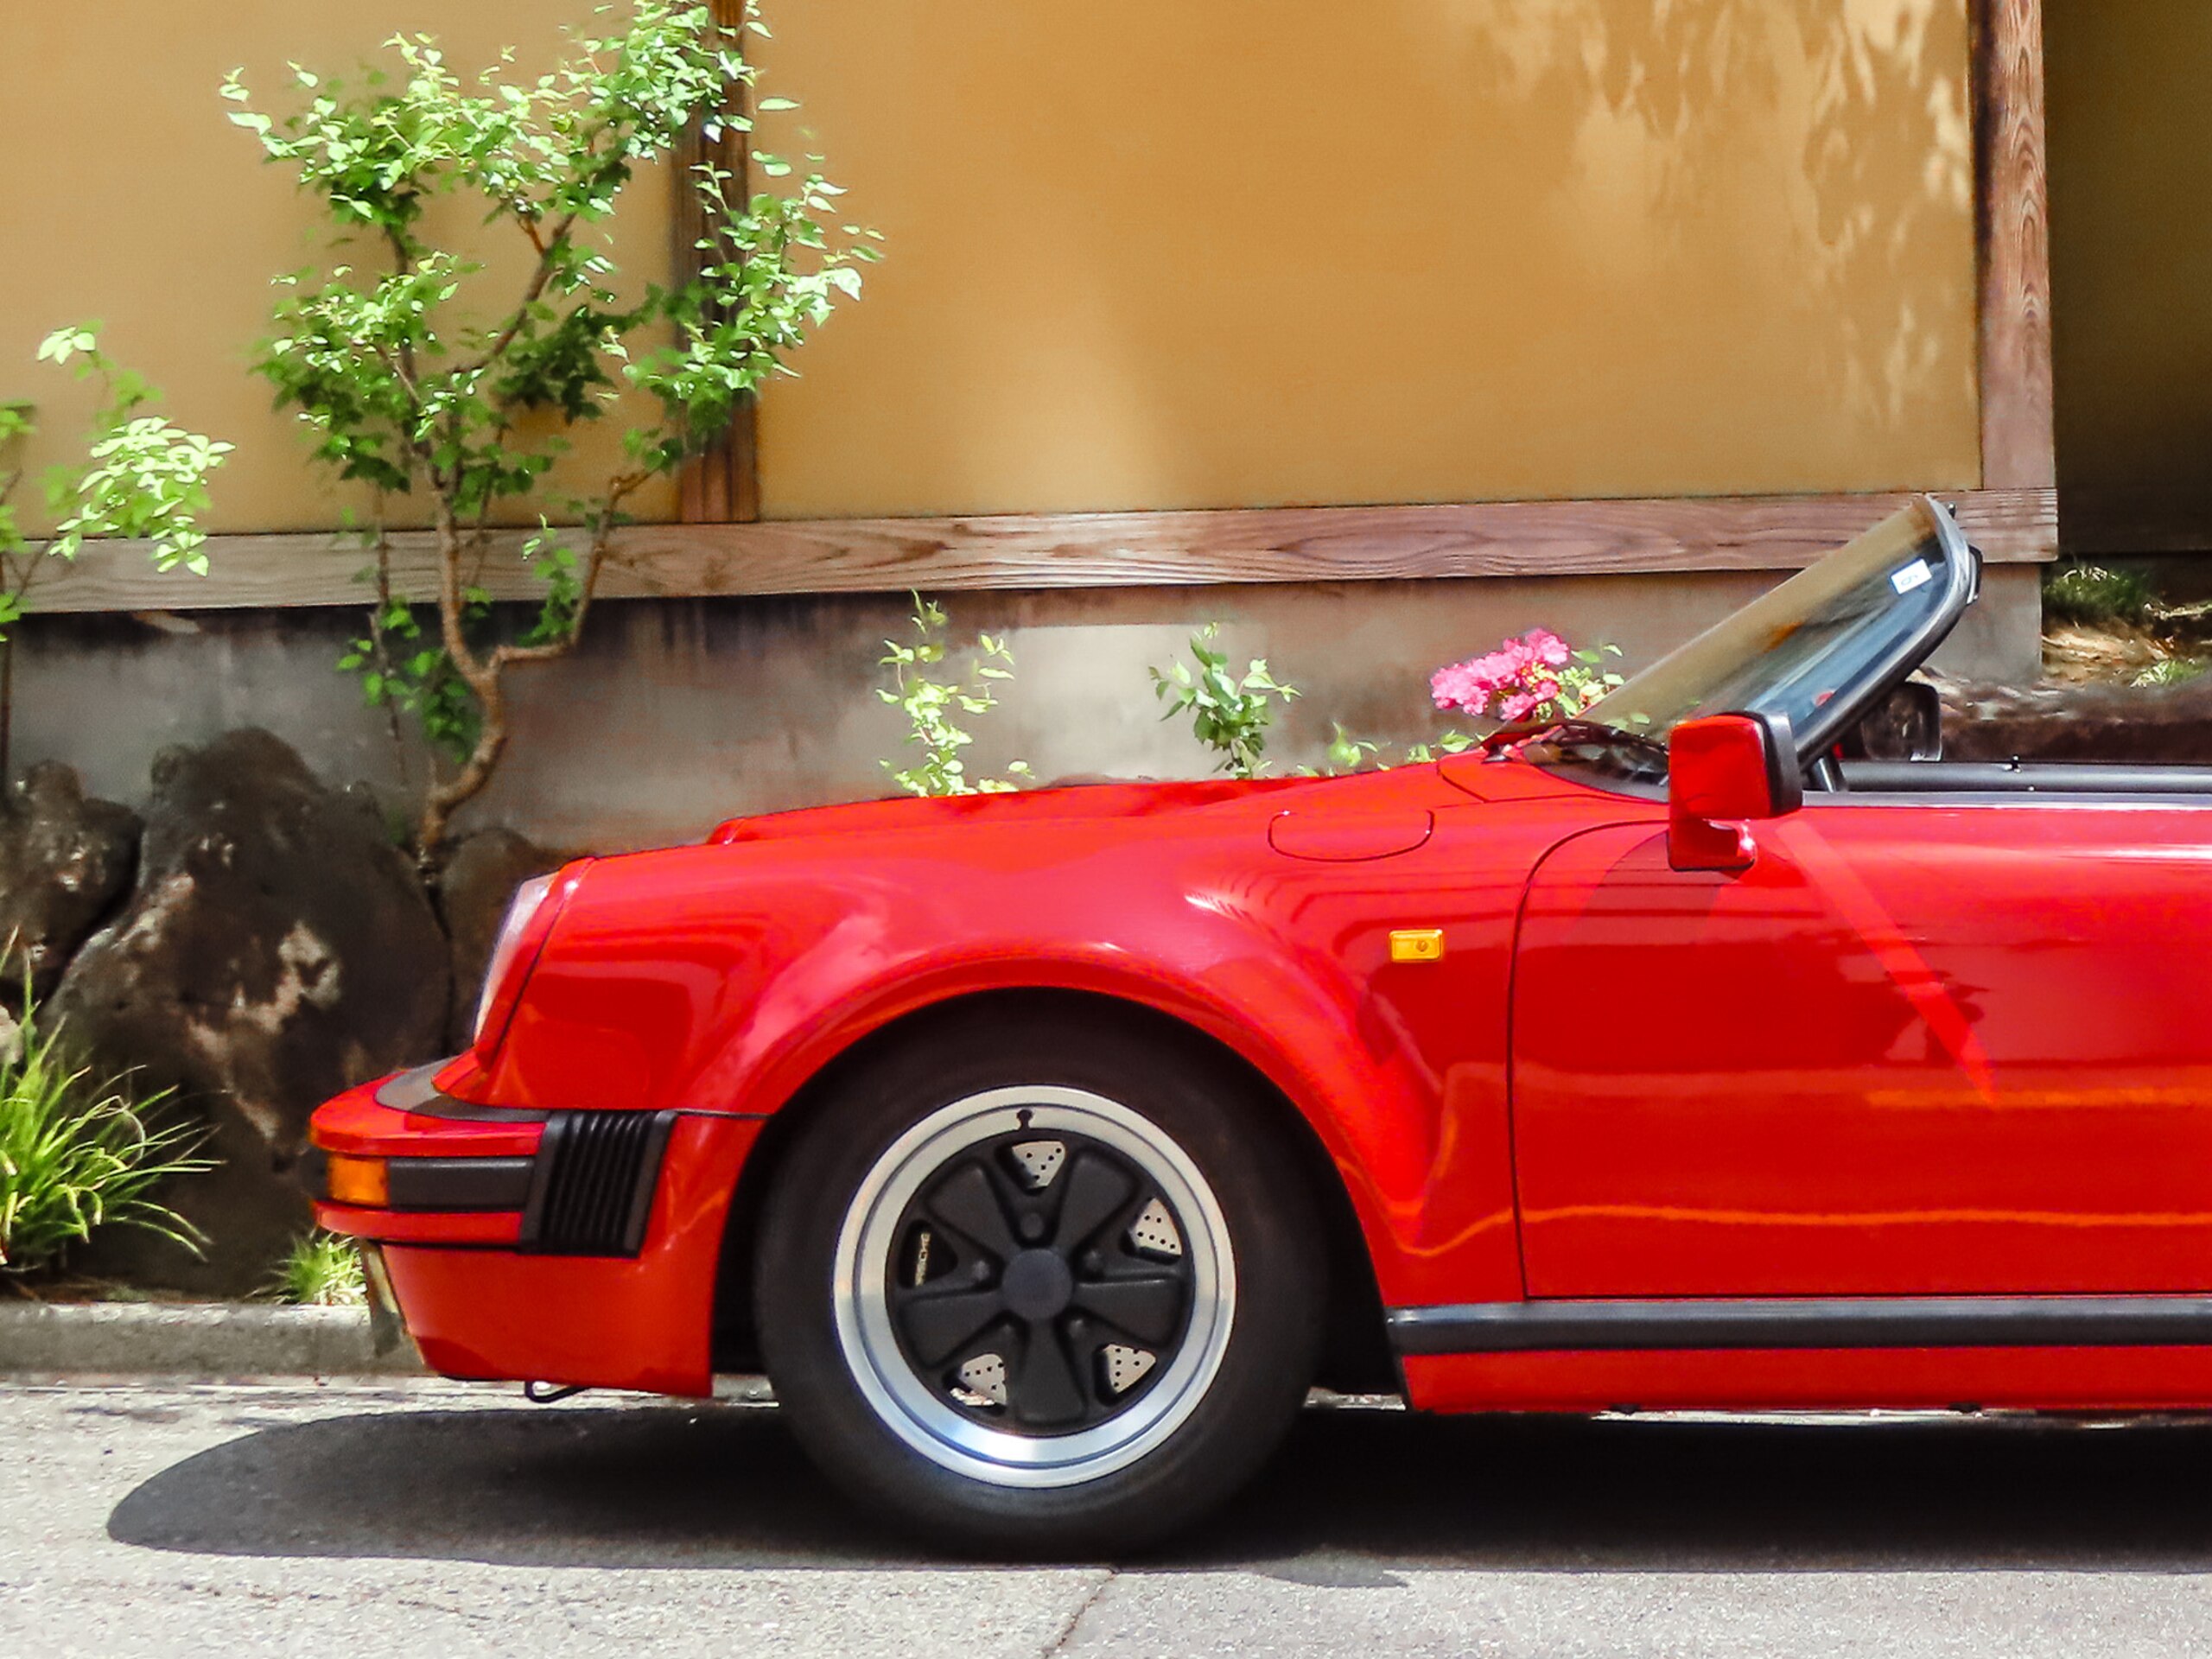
[[1075, 1618]]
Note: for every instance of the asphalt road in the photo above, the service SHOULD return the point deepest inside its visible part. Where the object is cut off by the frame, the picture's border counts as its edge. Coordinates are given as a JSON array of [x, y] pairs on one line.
[[437, 1520]]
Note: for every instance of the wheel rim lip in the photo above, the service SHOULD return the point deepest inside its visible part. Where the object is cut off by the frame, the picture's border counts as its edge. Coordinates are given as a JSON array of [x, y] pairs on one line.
[[906, 1404]]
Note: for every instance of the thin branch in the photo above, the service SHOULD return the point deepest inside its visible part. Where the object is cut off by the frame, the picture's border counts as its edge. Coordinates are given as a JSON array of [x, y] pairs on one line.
[[403, 261], [465, 662], [603, 526], [380, 646], [531, 293], [547, 247]]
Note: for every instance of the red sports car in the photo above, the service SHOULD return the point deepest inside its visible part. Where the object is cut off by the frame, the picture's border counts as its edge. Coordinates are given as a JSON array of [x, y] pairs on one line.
[[1044, 1148]]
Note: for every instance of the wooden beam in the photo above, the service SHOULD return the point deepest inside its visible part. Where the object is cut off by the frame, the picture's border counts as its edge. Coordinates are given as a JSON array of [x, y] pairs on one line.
[[2013, 212], [1109, 550], [723, 486]]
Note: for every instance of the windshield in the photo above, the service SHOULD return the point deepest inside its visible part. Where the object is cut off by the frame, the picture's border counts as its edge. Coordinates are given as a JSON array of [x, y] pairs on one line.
[[1813, 650]]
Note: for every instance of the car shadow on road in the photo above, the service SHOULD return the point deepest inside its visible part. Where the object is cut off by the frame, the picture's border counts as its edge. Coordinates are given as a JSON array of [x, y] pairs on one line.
[[1352, 1494]]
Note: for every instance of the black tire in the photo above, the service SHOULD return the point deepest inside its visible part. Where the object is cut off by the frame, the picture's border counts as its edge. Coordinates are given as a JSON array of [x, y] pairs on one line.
[[1226, 1426]]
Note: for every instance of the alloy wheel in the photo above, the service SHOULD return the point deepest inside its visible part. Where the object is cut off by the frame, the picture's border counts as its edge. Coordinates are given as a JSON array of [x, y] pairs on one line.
[[1033, 1286]]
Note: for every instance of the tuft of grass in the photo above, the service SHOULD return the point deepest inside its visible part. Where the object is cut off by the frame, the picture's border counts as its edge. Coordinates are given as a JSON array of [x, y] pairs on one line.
[[2096, 593], [77, 1155], [2172, 670], [323, 1270]]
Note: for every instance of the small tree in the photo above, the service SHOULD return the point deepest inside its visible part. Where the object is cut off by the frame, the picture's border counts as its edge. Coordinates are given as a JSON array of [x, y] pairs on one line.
[[142, 477], [411, 388]]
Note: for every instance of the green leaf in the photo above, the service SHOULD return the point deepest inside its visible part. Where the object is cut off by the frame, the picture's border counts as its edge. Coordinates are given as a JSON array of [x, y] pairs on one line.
[[413, 370]]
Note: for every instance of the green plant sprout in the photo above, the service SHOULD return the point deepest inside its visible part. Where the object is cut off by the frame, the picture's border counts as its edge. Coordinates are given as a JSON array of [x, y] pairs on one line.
[[321, 1270], [143, 477], [1347, 753], [2171, 671], [930, 704], [1421, 755], [1229, 712]]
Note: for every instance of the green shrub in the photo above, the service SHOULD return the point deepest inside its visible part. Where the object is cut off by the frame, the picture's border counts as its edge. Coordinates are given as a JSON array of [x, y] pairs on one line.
[[1230, 712], [2174, 670], [2095, 593], [323, 1270], [142, 478], [76, 1156]]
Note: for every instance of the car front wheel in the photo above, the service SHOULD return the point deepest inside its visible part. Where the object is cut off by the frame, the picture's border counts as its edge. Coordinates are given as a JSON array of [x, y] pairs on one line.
[[1040, 1290]]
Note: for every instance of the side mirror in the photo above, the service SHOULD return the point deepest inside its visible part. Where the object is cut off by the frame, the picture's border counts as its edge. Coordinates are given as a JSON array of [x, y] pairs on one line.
[[1723, 772]]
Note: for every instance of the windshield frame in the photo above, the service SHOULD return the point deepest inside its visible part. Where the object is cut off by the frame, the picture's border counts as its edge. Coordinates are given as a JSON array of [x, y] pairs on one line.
[[1960, 572]]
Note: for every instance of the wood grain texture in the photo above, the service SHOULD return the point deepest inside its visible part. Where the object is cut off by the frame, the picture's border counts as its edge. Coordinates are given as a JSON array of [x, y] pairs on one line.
[[1124, 549], [2013, 222], [723, 485]]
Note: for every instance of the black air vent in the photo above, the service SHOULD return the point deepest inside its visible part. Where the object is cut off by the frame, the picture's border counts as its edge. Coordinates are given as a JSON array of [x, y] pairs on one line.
[[596, 1172]]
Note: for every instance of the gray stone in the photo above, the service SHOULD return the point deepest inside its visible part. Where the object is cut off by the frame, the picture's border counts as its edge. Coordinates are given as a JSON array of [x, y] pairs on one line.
[[209, 1339], [63, 862], [278, 949], [474, 888]]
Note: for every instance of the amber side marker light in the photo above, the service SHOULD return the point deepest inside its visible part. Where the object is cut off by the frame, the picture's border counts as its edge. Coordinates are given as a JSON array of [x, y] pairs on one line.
[[357, 1180], [1417, 945]]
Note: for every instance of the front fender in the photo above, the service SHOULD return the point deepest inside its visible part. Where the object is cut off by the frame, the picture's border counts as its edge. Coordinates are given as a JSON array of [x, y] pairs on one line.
[[722, 980]]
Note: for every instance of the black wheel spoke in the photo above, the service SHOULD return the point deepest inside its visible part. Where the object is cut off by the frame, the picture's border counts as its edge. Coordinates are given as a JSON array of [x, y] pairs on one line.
[[1061, 1317], [938, 1323], [1148, 1306], [1097, 1189], [967, 1201], [1045, 1389]]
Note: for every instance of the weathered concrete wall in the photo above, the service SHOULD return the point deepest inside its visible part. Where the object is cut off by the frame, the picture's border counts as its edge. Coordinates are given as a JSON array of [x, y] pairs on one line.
[[678, 713]]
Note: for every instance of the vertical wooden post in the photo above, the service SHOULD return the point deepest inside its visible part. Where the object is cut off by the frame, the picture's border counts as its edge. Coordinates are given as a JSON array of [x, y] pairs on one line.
[[723, 486], [2012, 214]]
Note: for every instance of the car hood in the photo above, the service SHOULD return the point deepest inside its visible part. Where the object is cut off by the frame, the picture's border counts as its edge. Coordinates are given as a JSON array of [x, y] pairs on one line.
[[1087, 801]]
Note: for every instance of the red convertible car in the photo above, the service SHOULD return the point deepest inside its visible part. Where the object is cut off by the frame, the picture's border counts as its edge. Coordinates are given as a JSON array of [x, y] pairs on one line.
[[1044, 1148]]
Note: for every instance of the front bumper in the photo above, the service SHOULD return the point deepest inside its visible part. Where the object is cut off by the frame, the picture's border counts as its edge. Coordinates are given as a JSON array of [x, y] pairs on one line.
[[576, 1248]]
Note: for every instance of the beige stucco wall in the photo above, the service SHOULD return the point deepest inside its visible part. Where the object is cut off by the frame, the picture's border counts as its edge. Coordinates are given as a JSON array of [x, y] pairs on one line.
[[127, 196], [1166, 253], [1235, 252]]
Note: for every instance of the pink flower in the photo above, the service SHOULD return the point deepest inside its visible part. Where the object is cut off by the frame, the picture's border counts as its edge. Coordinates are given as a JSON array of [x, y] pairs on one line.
[[1518, 681], [1454, 687], [1547, 647]]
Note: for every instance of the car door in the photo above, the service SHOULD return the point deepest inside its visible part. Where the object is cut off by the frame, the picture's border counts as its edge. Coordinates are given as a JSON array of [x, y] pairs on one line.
[[1915, 1049]]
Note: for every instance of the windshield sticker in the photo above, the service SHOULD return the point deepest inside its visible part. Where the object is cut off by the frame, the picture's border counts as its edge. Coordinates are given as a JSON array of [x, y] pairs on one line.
[[1915, 574]]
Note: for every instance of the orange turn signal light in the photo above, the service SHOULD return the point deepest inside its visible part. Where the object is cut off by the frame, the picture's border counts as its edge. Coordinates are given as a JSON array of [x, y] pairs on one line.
[[362, 1181]]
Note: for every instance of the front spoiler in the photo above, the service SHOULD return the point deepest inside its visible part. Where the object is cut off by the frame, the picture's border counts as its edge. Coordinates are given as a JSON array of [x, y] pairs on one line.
[[480, 1304]]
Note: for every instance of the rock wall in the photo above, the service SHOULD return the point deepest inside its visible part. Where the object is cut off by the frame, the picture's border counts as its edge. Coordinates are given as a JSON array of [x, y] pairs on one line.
[[63, 862], [276, 947]]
